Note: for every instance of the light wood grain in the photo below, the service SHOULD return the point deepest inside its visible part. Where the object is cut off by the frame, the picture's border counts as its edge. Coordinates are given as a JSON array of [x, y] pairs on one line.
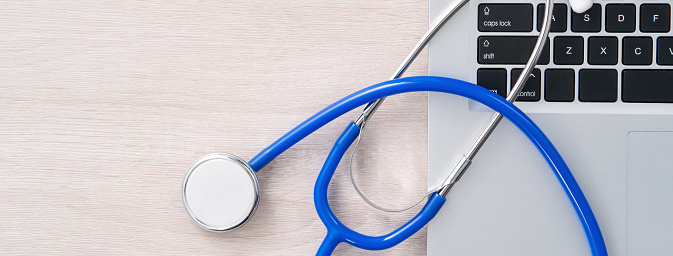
[[105, 104]]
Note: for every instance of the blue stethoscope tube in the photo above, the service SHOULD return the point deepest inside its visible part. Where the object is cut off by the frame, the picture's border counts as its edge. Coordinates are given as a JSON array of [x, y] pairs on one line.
[[337, 232]]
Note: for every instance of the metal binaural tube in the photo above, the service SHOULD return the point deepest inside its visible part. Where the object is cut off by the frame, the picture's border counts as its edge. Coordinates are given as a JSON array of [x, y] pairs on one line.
[[450, 11], [513, 94]]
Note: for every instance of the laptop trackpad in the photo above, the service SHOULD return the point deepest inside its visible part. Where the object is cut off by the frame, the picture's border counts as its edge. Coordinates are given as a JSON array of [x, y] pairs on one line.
[[649, 200]]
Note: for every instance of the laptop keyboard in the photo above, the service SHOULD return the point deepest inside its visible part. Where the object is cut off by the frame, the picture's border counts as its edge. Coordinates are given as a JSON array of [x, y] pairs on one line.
[[614, 52]]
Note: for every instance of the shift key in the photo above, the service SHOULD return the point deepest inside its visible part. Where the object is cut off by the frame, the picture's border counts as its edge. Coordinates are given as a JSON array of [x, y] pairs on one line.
[[505, 17], [509, 50]]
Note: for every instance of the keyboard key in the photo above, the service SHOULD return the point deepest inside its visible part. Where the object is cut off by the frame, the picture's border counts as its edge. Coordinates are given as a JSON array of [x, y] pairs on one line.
[[569, 50], [665, 51], [589, 21], [603, 50], [655, 18], [505, 17], [650, 86], [620, 18], [598, 85], [559, 18], [509, 50], [531, 90], [559, 85], [493, 79], [637, 51]]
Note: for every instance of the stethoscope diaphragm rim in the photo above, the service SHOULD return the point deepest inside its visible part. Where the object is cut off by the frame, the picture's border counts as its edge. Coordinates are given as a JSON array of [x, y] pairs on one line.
[[226, 164]]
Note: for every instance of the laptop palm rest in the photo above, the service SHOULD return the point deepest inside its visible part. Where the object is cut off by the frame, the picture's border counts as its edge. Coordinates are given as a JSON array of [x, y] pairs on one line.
[[649, 225]]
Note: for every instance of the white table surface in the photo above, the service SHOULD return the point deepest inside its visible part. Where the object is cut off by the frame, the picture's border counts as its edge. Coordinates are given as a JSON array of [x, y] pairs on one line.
[[105, 104]]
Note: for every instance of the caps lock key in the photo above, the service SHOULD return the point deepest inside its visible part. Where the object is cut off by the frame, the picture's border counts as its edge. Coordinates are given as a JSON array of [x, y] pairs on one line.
[[505, 17]]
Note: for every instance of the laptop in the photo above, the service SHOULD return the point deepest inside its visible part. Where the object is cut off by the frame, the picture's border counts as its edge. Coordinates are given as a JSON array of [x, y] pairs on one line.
[[602, 93]]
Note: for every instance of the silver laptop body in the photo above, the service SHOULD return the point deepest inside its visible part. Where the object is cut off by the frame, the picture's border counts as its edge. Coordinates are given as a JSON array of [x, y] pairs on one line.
[[621, 152]]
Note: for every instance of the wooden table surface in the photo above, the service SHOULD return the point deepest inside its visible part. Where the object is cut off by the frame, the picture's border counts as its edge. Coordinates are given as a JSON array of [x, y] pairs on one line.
[[105, 104]]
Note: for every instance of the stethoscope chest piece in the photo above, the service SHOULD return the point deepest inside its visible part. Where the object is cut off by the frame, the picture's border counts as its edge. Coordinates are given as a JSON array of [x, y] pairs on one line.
[[220, 192]]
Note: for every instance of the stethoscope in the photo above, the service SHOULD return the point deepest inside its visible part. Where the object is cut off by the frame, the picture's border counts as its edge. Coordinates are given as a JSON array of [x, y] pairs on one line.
[[221, 191]]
